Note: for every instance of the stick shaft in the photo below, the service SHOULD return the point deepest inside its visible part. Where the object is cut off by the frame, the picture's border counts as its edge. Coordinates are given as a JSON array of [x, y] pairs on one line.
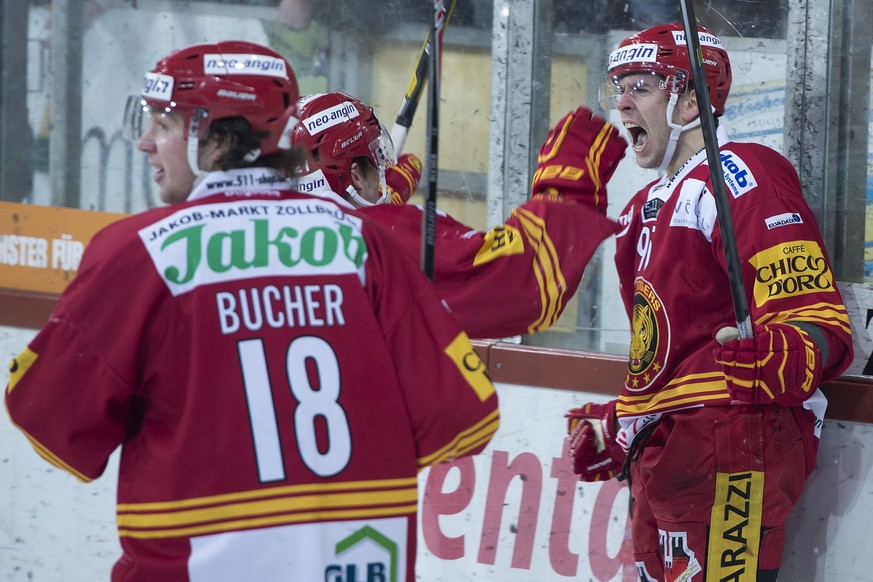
[[725, 222], [428, 227]]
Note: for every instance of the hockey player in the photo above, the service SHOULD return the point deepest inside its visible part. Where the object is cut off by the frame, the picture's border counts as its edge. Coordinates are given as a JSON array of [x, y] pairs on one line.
[[715, 435], [275, 372], [513, 279]]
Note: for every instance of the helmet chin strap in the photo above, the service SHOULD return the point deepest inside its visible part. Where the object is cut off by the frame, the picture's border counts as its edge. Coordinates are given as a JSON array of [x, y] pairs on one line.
[[359, 200], [675, 131], [193, 155]]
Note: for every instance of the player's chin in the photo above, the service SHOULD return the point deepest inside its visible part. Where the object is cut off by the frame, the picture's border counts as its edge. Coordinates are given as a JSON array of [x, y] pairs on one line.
[[646, 160], [649, 154], [173, 195]]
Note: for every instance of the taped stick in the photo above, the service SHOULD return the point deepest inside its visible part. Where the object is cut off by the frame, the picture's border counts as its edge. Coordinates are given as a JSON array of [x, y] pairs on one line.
[[400, 130], [716, 174]]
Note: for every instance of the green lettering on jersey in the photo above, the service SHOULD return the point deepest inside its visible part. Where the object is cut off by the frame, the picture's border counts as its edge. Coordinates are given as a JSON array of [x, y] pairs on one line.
[[250, 248]]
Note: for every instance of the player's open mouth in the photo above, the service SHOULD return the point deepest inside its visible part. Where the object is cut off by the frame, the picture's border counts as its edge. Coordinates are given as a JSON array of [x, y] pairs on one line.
[[638, 135]]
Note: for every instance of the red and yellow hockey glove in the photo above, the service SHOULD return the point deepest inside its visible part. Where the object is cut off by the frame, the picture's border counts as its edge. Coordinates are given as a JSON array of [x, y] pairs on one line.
[[578, 158], [402, 178], [596, 456], [780, 364]]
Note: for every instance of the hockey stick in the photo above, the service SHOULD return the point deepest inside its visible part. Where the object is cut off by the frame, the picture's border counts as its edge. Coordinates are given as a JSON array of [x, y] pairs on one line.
[[400, 130], [716, 174], [428, 219]]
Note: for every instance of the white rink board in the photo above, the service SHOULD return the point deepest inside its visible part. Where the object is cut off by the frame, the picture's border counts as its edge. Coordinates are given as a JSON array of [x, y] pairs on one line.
[[52, 527]]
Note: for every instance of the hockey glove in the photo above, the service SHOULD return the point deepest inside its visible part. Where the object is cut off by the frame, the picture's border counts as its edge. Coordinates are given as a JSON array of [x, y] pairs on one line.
[[596, 456], [779, 364], [578, 158], [402, 178]]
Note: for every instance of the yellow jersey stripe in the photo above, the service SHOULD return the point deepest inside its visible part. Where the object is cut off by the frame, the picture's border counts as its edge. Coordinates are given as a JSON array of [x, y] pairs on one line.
[[680, 392], [283, 505], [545, 285], [266, 521], [465, 446], [825, 314], [552, 283], [286, 491], [52, 458], [486, 426]]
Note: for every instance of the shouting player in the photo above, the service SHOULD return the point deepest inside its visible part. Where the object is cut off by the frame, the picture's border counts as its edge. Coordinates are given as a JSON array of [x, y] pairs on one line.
[[716, 435]]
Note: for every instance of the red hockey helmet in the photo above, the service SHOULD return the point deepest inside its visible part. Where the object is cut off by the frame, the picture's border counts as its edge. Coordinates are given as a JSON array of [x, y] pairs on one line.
[[662, 50], [207, 82], [336, 128]]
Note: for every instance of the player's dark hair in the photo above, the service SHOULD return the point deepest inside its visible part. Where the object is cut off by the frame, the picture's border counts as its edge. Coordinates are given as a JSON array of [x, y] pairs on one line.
[[235, 133]]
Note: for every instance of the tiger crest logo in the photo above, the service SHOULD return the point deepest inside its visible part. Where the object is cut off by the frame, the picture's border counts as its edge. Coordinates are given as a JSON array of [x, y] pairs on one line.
[[644, 340], [649, 338]]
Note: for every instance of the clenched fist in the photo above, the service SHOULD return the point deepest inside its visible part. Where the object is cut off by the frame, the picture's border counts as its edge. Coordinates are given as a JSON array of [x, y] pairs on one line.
[[578, 158]]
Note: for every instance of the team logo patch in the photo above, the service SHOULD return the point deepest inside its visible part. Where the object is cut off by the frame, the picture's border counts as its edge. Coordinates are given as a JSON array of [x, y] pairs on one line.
[[500, 241], [790, 269], [783, 220], [680, 562], [650, 335]]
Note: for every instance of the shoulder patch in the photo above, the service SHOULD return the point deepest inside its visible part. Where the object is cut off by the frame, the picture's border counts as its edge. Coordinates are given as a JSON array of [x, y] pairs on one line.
[[737, 175], [783, 220]]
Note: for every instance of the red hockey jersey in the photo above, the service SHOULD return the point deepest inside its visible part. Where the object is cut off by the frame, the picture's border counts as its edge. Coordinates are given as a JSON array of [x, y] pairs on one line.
[[515, 278], [675, 287], [276, 372]]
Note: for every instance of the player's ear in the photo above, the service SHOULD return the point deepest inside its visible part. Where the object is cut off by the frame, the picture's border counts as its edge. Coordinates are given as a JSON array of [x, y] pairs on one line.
[[688, 106], [213, 151], [357, 176]]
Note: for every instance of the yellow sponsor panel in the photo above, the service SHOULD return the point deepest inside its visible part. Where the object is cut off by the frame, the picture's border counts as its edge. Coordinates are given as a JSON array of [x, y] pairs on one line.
[[470, 365], [41, 246], [790, 269], [735, 527]]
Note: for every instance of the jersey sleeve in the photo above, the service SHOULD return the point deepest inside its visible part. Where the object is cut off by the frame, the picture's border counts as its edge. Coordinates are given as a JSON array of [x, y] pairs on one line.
[[65, 396], [786, 269], [451, 402], [515, 278]]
